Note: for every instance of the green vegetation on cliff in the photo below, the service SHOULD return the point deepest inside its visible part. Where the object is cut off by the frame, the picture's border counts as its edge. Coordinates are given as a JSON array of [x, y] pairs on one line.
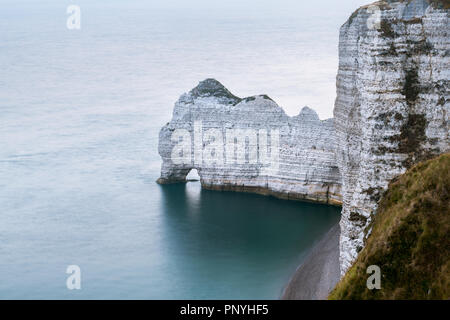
[[410, 239]]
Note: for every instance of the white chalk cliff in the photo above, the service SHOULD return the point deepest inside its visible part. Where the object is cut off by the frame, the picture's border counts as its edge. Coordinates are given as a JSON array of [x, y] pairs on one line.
[[392, 106], [259, 133], [391, 111]]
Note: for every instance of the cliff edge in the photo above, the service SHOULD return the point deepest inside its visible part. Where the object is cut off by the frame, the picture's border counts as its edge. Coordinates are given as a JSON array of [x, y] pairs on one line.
[[409, 241]]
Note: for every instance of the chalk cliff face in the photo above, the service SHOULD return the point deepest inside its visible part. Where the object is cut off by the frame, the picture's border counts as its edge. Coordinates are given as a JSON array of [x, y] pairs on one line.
[[392, 106], [249, 145]]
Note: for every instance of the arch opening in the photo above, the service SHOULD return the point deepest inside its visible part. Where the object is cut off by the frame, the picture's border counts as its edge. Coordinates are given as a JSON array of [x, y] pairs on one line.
[[193, 176]]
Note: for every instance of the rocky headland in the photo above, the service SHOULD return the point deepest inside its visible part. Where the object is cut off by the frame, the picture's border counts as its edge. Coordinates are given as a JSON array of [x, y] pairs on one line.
[[271, 153]]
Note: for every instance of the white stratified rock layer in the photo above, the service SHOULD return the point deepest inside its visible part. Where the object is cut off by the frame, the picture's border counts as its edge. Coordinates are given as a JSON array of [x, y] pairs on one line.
[[307, 167], [392, 106]]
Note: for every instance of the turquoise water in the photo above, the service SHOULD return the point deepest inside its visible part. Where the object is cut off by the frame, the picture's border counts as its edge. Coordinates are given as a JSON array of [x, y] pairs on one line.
[[155, 242], [80, 113]]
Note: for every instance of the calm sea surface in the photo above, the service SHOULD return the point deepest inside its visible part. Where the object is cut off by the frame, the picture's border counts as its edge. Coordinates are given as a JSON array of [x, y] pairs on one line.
[[80, 113]]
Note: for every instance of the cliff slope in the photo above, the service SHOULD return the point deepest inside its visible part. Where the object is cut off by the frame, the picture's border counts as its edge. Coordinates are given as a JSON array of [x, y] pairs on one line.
[[410, 239]]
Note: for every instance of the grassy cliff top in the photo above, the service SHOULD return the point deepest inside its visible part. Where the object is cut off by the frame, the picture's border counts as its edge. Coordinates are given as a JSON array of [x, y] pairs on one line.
[[410, 239]]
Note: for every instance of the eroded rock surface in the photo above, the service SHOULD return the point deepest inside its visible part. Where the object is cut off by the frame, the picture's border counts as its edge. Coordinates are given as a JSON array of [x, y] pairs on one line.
[[242, 139]]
